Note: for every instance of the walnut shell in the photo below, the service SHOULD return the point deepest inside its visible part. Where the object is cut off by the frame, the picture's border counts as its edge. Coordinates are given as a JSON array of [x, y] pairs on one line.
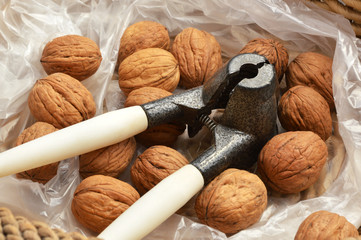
[[144, 95], [165, 134], [99, 200], [61, 100], [150, 67], [199, 56], [44, 173], [153, 165], [303, 109], [271, 49], [325, 225], [141, 35], [313, 70], [108, 161], [77, 56], [292, 161], [233, 201]]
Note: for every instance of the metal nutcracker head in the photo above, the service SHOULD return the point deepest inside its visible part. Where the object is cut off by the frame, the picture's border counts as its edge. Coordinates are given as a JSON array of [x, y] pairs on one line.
[[245, 81], [246, 89], [252, 106]]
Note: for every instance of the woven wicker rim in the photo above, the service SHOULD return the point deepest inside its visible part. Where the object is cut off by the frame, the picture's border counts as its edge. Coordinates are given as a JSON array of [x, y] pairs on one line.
[[350, 9], [19, 228]]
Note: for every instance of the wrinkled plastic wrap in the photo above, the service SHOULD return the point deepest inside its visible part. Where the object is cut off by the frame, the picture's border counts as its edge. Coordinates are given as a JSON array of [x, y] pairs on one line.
[[26, 26]]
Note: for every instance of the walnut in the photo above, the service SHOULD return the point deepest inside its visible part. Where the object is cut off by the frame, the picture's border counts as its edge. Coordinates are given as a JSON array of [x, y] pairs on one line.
[[41, 174], [303, 109], [165, 134], [325, 225], [150, 67], [144, 95], [61, 100], [108, 161], [271, 49], [233, 201], [74, 55], [99, 200], [313, 70], [199, 56], [141, 35], [292, 161], [153, 165]]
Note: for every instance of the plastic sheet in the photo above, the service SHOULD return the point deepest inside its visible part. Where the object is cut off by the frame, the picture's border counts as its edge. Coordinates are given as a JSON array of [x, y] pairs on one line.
[[26, 26]]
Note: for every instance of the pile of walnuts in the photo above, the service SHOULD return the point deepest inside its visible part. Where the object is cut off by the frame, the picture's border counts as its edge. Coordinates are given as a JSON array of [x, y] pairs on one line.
[[60, 99], [150, 66]]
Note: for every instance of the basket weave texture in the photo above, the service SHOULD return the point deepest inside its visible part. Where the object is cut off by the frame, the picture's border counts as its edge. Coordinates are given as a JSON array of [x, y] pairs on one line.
[[350, 9], [19, 228]]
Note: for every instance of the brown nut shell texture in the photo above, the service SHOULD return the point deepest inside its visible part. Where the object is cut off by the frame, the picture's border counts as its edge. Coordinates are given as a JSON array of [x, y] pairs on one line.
[[325, 225], [145, 95], [41, 174], [233, 201], [75, 55], [99, 200], [199, 56], [61, 100], [150, 67], [109, 161], [153, 165], [292, 161], [271, 49], [314, 70], [164, 134], [141, 35], [302, 108]]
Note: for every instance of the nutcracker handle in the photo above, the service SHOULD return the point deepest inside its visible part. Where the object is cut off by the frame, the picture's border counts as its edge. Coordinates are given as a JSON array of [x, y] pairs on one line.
[[230, 146], [156, 205], [97, 132]]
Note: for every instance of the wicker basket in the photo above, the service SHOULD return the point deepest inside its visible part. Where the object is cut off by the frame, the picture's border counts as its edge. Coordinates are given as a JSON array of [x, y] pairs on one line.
[[20, 228], [350, 9]]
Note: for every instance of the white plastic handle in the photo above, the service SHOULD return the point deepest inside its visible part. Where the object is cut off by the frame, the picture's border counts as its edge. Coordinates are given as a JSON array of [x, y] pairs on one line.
[[156, 205], [86, 136]]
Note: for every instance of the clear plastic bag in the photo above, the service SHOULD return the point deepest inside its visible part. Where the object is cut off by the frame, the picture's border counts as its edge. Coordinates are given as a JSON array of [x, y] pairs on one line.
[[26, 26]]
